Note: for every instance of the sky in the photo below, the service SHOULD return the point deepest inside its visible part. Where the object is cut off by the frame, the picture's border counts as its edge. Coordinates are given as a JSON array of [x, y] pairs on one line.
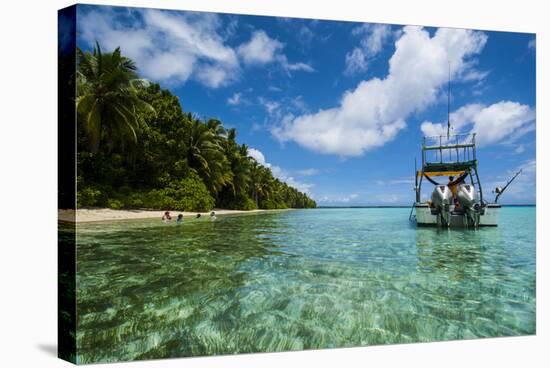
[[338, 109]]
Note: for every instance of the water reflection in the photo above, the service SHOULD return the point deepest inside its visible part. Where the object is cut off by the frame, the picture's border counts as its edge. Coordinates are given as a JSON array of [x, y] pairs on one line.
[[460, 253], [66, 298], [295, 280], [472, 282], [134, 296]]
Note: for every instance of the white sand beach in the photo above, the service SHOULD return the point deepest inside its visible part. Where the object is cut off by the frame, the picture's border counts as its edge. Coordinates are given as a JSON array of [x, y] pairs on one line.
[[107, 214]]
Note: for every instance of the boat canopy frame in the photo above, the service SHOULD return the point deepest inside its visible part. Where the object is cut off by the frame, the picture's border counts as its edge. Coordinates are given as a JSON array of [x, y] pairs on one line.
[[448, 155]]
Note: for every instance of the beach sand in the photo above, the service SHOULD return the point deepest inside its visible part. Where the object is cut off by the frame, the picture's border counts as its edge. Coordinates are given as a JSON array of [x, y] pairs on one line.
[[107, 214]]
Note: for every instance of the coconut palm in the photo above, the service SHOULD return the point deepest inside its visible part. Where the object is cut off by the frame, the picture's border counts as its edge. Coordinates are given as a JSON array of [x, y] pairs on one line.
[[261, 182], [216, 127], [107, 100], [205, 155]]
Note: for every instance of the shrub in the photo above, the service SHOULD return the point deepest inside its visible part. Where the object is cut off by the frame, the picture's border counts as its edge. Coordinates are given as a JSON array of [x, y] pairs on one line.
[[115, 204], [89, 197], [247, 204], [189, 194], [240, 202], [134, 201], [271, 204]]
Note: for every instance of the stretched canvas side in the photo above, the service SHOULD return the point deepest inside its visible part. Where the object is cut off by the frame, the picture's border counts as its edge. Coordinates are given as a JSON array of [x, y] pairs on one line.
[[66, 334]]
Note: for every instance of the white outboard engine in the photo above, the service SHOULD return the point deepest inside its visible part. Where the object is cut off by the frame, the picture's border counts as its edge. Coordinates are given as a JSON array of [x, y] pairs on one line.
[[442, 196], [466, 195]]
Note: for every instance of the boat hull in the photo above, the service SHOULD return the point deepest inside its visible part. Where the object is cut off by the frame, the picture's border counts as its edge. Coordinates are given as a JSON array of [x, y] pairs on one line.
[[426, 216]]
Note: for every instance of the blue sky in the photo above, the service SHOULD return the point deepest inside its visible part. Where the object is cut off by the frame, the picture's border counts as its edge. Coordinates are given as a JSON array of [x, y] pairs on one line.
[[338, 109]]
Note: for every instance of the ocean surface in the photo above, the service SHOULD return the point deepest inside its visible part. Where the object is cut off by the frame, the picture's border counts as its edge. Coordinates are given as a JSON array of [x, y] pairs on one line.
[[302, 279]]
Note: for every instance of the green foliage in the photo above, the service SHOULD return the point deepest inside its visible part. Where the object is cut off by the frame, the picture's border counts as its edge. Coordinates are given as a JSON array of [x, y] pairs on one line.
[[114, 204], [89, 197], [176, 160], [240, 202], [107, 102], [188, 194], [272, 204]]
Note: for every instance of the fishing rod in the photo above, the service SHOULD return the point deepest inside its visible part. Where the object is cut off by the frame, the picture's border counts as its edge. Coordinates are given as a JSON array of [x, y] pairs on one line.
[[499, 190]]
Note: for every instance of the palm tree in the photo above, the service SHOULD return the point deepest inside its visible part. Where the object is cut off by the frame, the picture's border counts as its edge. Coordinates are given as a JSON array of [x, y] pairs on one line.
[[261, 182], [216, 127], [240, 165], [107, 99], [205, 155], [239, 162]]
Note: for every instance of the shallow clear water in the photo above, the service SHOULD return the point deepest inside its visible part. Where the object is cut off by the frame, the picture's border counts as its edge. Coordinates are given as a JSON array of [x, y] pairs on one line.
[[298, 280]]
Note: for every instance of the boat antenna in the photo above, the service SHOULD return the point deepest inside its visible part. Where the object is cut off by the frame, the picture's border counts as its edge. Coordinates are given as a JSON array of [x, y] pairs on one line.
[[449, 103]]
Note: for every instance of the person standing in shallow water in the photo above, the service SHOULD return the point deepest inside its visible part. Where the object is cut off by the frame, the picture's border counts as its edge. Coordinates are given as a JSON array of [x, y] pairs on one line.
[[166, 217], [213, 216], [180, 219]]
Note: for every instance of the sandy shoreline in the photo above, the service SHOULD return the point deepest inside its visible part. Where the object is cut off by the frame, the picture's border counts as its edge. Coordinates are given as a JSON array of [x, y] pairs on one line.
[[107, 214]]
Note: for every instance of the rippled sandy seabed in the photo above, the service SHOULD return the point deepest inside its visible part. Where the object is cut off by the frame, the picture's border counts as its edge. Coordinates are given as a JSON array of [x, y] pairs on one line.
[[298, 280]]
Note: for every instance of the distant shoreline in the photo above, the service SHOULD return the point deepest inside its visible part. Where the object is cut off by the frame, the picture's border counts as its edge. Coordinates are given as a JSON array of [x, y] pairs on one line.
[[86, 215], [336, 207]]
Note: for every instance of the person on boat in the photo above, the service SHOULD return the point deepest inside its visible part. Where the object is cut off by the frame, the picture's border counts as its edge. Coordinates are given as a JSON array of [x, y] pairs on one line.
[[452, 185], [166, 217], [180, 219], [213, 216]]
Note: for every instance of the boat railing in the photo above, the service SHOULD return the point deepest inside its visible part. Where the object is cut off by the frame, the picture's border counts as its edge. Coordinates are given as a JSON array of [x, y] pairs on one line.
[[455, 148]]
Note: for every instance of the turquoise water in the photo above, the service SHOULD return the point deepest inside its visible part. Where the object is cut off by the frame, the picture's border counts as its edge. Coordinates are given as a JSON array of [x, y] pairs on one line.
[[295, 280]]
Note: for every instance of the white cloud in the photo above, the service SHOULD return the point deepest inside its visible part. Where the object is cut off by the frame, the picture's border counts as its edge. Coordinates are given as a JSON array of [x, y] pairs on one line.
[[389, 199], [280, 173], [261, 49], [504, 121], [398, 181], [339, 198], [375, 111], [172, 47], [356, 61], [520, 149], [235, 99], [374, 36], [294, 67], [299, 104], [473, 75], [258, 156], [167, 46], [305, 36], [214, 75], [270, 106], [307, 172]]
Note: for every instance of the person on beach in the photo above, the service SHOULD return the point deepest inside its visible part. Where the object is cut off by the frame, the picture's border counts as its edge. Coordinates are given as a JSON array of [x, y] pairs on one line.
[[213, 216], [180, 219], [167, 217]]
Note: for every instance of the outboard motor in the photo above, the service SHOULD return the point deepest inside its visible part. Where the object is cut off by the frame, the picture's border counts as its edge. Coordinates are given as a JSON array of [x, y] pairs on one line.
[[466, 195], [442, 197]]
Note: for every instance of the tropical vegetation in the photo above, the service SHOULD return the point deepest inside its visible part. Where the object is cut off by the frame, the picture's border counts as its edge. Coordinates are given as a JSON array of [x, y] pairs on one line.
[[137, 148]]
